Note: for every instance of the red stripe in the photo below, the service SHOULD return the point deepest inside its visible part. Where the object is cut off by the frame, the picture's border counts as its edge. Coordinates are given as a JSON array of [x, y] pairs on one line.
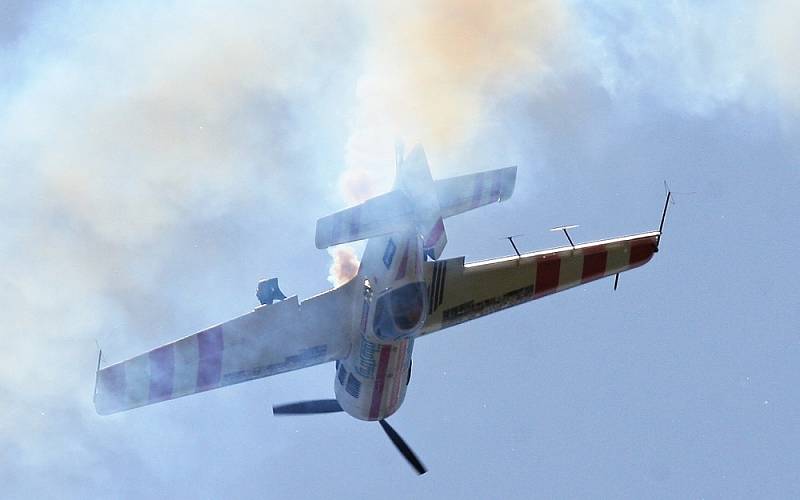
[[209, 364], [547, 271], [401, 271], [162, 368], [594, 266], [380, 381], [435, 234], [641, 252], [397, 381]]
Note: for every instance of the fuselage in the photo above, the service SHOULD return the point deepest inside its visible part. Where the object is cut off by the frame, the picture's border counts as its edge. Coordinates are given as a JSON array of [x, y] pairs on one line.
[[390, 309]]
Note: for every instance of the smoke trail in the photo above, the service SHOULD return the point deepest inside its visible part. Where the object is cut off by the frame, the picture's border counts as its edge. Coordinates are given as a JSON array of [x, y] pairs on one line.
[[431, 71], [344, 265]]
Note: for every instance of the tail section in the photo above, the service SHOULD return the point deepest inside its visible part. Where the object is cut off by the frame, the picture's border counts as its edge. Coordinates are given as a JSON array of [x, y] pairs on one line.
[[417, 201], [467, 192]]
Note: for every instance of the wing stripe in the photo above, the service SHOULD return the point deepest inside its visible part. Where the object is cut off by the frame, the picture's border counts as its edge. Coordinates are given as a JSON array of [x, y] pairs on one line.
[[594, 266], [641, 252], [162, 370], [547, 272], [209, 350]]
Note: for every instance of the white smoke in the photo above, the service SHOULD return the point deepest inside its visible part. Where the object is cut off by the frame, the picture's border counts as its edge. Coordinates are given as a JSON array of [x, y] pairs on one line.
[[431, 71]]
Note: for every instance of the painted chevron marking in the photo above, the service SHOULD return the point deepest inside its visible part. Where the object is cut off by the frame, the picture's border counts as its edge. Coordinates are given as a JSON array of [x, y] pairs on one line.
[[209, 352]]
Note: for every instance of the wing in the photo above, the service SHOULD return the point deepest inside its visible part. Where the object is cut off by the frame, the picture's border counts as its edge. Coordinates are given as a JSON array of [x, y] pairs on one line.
[[272, 339], [460, 292]]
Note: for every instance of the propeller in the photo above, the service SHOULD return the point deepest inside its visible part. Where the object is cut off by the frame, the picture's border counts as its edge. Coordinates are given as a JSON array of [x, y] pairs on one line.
[[308, 407], [404, 449], [316, 406]]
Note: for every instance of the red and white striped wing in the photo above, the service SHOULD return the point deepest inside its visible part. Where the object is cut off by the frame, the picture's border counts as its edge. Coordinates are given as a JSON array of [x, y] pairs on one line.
[[272, 339], [460, 292]]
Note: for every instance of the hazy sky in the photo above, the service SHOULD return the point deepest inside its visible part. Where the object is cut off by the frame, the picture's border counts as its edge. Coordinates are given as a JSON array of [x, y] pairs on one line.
[[159, 158]]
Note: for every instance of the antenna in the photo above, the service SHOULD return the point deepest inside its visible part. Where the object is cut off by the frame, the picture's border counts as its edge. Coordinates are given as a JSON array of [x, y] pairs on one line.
[[664, 213], [565, 229], [97, 370]]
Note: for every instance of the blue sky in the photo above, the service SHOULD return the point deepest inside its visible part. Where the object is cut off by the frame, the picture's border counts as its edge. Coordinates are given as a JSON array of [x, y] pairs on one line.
[[158, 159]]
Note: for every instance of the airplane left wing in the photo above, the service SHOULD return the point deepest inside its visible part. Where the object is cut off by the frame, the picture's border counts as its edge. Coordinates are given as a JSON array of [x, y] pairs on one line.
[[459, 292], [272, 339]]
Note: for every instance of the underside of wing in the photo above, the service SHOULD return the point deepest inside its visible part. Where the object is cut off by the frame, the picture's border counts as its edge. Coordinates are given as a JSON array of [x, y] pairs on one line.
[[272, 339], [459, 292]]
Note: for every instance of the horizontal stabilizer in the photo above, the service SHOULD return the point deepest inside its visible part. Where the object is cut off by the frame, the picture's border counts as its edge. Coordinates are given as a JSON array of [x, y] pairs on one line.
[[460, 194], [384, 214]]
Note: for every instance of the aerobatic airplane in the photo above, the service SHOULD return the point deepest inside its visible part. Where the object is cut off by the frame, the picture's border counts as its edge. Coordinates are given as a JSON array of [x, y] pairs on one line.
[[368, 326]]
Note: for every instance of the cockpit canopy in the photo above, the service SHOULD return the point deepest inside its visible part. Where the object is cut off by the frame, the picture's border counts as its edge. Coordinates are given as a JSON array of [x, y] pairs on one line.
[[399, 312]]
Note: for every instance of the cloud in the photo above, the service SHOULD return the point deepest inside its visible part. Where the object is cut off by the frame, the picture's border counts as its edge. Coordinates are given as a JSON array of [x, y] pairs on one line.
[[697, 58], [779, 42], [123, 128]]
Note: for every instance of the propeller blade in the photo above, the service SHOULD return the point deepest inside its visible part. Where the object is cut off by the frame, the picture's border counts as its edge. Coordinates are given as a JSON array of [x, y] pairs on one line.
[[403, 447], [307, 407]]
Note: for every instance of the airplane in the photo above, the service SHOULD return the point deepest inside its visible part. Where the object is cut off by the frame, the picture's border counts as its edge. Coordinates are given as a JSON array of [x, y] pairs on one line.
[[403, 290]]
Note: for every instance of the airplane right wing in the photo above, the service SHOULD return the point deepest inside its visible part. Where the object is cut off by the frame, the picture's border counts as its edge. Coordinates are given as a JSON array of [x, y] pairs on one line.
[[460, 292], [272, 339]]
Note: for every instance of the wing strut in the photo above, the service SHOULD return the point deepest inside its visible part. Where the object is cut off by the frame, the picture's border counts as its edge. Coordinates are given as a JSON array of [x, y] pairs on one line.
[[511, 240], [664, 213]]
